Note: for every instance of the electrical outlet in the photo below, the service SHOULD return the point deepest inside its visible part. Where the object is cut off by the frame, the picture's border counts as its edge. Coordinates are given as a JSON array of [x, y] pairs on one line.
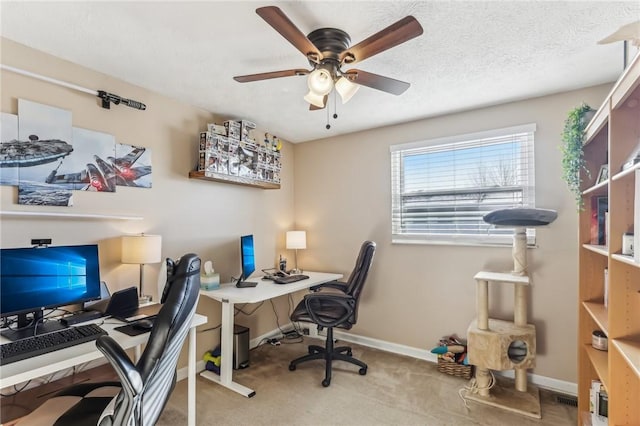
[[305, 331]]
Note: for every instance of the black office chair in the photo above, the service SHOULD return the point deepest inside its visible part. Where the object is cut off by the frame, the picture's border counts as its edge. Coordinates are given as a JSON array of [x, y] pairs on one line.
[[329, 309], [144, 387]]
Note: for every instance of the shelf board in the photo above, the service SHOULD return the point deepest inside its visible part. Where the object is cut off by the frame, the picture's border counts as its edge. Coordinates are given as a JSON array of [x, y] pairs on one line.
[[600, 362], [602, 186], [237, 180], [625, 259], [596, 124], [626, 172], [603, 250], [630, 350], [599, 314], [62, 215]]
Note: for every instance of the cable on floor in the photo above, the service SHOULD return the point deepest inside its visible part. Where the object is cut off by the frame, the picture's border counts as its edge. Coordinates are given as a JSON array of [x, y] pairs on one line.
[[472, 387]]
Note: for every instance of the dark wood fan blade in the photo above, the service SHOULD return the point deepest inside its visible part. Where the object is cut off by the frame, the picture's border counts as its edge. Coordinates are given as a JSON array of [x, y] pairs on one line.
[[279, 21], [312, 107], [395, 34], [268, 75], [379, 82]]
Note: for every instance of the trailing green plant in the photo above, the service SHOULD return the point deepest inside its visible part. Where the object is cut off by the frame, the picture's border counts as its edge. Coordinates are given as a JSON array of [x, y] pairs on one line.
[[573, 161]]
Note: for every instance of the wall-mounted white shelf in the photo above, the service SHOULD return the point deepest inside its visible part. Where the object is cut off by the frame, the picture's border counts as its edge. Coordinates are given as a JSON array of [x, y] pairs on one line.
[[19, 213]]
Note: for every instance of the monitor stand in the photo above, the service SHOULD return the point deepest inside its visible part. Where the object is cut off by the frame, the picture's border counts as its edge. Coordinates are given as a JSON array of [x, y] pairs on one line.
[[246, 284], [25, 330]]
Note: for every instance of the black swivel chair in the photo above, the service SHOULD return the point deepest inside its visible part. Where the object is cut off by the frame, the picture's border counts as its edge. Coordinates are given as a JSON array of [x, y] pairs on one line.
[[144, 387], [329, 309]]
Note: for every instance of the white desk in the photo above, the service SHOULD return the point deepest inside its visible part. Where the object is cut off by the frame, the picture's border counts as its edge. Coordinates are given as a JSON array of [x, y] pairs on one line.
[[28, 369], [228, 295]]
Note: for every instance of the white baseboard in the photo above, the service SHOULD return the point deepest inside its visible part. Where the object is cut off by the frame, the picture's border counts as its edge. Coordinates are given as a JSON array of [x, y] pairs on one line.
[[544, 382]]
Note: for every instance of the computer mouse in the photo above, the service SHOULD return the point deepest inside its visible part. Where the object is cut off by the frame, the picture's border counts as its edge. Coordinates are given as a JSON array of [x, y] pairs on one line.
[[143, 324]]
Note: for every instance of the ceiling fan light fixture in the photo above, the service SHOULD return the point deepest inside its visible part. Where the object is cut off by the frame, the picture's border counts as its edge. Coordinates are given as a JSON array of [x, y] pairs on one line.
[[320, 82], [314, 99], [346, 89]]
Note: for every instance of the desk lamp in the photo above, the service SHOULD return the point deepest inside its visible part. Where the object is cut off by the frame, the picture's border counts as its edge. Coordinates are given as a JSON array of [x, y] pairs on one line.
[[296, 240], [141, 249]]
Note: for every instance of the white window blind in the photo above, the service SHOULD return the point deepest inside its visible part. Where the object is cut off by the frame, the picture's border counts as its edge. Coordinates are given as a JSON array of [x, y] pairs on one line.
[[441, 188]]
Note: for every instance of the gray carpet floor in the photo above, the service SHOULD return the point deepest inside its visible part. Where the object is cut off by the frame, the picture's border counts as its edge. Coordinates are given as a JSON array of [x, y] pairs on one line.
[[397, 390]]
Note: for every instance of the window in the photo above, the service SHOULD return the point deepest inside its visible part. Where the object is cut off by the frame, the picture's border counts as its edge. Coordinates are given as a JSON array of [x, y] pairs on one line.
[[441, 188]]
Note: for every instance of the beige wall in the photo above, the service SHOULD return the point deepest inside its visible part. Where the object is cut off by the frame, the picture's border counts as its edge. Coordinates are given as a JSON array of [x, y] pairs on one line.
[[418, 293], [191, 215]]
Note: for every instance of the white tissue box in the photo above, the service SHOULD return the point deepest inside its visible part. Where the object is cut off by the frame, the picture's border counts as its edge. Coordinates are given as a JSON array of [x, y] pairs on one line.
[[210, 282]]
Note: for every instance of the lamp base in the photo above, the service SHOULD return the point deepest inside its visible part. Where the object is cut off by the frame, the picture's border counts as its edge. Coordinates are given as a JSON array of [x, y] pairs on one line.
[[145, 299]]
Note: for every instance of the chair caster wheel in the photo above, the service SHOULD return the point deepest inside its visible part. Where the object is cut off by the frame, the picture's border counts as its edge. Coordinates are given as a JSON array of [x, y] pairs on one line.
[[326, 383], [292, 367], [362, 371]]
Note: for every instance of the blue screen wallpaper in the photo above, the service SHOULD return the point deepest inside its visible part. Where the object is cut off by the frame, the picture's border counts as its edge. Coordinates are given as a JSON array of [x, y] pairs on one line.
[[36, 278]]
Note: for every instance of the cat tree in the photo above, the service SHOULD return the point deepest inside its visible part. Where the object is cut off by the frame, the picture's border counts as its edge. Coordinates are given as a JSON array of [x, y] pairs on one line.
[[504, 345]]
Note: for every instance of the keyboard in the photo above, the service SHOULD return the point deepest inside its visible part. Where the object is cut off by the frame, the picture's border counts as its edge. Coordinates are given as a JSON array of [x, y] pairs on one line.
[[290, 279], [45, 343]]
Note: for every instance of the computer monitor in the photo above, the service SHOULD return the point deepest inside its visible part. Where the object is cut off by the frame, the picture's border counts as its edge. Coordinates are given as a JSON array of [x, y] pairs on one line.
[[35, 279], [248, 259]]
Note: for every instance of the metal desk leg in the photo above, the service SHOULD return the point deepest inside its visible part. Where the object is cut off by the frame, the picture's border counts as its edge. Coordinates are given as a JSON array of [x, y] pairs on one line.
[[226, 366], [191, 379]]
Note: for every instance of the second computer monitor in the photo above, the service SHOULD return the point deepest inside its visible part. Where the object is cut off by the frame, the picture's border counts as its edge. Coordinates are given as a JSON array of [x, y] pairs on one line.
[[248, 259]]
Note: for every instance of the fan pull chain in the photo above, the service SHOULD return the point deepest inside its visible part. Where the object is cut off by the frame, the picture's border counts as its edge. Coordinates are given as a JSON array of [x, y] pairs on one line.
[[335, 110], [328, 126]]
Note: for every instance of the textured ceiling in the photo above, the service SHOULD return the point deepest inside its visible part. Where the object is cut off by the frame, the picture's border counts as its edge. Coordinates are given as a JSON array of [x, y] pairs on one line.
[[472, 54]]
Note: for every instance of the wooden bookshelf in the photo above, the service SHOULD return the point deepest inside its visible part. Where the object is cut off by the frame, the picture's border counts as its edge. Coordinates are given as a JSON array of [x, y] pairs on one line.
[[611, 137]]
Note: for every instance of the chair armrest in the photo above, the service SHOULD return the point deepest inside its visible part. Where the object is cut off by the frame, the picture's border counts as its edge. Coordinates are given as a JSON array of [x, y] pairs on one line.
[[317, 303], [339, 285], [119, 360]]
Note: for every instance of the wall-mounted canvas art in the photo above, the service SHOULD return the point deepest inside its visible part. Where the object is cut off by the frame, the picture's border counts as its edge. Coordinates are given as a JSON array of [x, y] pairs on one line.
[[88, 167], [8, 149], [45, 135], [133, 166]]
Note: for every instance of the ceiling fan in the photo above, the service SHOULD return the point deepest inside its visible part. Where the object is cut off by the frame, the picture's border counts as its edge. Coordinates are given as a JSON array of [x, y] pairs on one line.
[[328, 50]]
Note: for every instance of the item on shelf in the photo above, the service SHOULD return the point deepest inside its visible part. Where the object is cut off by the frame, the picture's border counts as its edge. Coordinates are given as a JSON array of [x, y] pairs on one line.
[[627, 244], [217, 129], [599, 206], [246, 128], [633, 159], [227, 155], [233, 129], [573, 161], [599, 340], [598, 404]]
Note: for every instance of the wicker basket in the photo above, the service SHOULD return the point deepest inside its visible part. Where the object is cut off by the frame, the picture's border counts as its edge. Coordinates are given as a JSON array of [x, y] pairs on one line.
[[454, 369]]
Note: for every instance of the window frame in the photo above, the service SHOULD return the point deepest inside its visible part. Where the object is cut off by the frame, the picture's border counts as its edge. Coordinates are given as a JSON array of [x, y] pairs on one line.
[[397, 172]]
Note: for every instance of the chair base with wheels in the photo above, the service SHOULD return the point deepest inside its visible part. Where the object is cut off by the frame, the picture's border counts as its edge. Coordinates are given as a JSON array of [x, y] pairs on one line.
[[329, 354]]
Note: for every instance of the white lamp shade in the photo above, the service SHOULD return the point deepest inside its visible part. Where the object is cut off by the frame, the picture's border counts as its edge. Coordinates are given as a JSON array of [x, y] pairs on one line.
[[320, 82], [346, 89], [296, 240], [141, 249], [313, 99]]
